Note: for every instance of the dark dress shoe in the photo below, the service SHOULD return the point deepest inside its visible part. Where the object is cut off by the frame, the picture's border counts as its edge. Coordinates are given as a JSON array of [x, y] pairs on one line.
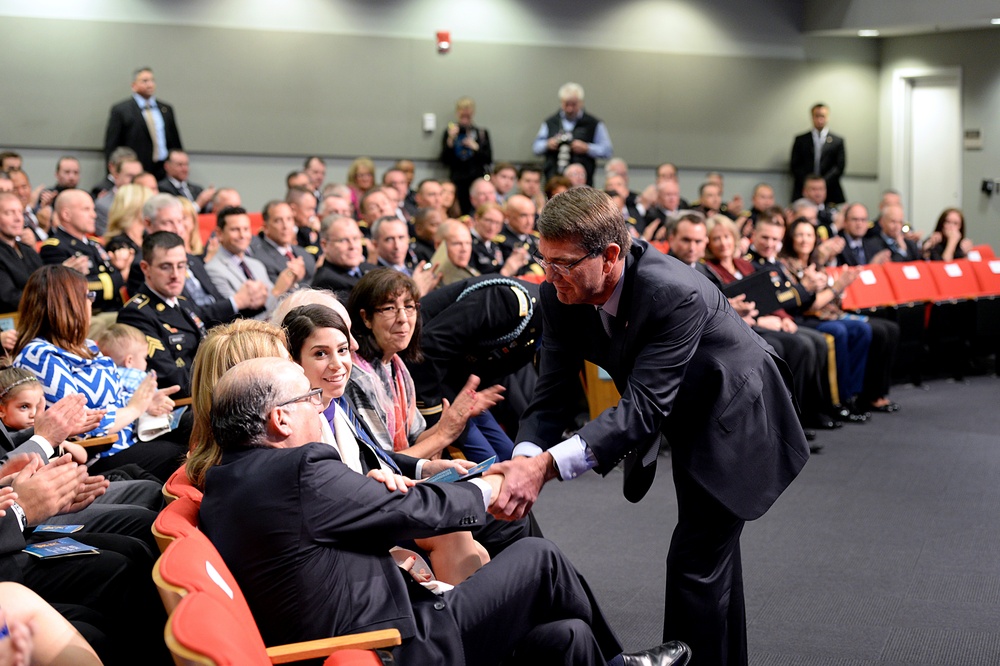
[[810, 434], [824, 422], [846, 415], [672, 653], [815, 447]]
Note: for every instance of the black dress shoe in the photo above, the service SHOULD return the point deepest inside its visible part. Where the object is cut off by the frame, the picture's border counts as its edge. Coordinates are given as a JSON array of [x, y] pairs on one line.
[[810, 434], [672, 653], [815, 447], [824, 422], [846, 415]]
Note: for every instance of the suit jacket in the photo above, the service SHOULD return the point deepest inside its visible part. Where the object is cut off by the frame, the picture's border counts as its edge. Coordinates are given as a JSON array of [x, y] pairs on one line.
[[687, 367], [167, 187], [16, 265], [173, 335], [314, 560], [337, 280], [275, 262], [832, 160], [219, 312], [127, 127], [228, 277], [871, 246], [881, 242]]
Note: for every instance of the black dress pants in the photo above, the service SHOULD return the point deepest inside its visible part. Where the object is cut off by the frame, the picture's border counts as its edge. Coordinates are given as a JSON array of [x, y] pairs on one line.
[[704, 604]]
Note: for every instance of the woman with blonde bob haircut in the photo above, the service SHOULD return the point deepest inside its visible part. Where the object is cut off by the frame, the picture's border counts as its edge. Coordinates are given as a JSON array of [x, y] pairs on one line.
[[224, 347]]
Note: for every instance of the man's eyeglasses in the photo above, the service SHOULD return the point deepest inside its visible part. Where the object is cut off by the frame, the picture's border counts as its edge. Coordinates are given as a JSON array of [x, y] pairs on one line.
[[392, 311], [560, 269], [313, 396]]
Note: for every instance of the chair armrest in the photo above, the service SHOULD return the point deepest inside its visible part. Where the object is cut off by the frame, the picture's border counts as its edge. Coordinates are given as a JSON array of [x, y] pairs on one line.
[[369, 640], [179, 402], [97, 444]]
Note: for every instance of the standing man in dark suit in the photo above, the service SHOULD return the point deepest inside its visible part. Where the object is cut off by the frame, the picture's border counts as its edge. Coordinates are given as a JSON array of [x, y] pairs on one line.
[[821, 152], [144, 124], [528, 605], [688, 369]]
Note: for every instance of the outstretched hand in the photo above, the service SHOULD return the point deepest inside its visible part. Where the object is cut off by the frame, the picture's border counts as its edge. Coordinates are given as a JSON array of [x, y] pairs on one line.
[[523, 479]]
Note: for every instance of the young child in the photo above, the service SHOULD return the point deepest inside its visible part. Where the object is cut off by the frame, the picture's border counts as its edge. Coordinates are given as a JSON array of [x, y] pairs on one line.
[[21, 398], [127, 347]]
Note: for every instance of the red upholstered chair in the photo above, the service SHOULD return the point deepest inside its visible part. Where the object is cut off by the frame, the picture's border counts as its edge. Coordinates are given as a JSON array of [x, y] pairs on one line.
[[911, 282], [955, 280], [981, 253], [870, 290], [178, 519], [202, 630], [532, 277], [179, 485], [988, 275], [192, 566], [663, 246]]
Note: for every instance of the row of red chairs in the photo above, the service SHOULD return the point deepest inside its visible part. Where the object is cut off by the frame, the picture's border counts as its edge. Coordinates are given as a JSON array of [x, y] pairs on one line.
[[890, 284], [209, 619]]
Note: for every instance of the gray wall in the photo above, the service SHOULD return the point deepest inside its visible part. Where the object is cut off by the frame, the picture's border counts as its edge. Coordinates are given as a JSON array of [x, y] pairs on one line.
[[250, 103], [977, 53]]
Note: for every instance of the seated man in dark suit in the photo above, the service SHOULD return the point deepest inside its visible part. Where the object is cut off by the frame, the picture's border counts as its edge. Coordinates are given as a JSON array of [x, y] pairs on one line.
[[892, 238], [177, 168], [528, 605], [860, 249], [275, 245], [343, 249]]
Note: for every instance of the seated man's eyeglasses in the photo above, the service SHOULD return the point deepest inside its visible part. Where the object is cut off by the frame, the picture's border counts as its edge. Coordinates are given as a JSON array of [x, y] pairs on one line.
[[314, 396]]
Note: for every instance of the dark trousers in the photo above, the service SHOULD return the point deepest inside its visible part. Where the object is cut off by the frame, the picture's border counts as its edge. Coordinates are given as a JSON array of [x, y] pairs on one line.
[[881, 356], [548, 617], [704, 604]]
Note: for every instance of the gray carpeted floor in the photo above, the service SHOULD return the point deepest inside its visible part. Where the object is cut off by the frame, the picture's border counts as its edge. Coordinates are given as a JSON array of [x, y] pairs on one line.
[[885, 550]]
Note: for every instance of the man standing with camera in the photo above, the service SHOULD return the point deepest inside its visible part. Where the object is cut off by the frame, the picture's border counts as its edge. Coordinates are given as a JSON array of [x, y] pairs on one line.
[[572, 136]]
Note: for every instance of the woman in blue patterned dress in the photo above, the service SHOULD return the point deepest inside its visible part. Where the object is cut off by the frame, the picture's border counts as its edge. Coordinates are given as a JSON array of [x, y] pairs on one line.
[[53, 321]]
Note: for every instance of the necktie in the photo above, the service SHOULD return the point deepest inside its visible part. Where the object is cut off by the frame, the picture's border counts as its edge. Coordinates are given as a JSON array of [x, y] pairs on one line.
[[246, 269], [289, 255], [859, 251], [605, 320], [354, 272], [186, 192], [197, 292], [817, 150], [147, 113]]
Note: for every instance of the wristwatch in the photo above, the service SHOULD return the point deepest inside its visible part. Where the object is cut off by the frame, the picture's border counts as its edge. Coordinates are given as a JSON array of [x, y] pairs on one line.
[[22, 519]]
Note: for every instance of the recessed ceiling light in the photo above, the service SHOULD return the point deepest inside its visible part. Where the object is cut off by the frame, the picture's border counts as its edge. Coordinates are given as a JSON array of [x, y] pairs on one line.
[[995, 21], [867, 33]]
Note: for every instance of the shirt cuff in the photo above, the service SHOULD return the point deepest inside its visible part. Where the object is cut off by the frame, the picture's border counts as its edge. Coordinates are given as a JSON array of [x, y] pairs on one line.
[[573, 457], [486, 490], [526, 449], [418, 474], [236, 308], [44, 444]]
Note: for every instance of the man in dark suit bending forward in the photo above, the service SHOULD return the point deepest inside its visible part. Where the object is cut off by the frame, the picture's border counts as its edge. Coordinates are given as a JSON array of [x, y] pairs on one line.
[[688, 369]]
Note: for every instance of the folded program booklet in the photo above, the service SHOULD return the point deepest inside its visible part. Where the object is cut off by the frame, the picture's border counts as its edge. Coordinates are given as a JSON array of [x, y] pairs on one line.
[[451, 474], [151, 427], [65, 547]]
